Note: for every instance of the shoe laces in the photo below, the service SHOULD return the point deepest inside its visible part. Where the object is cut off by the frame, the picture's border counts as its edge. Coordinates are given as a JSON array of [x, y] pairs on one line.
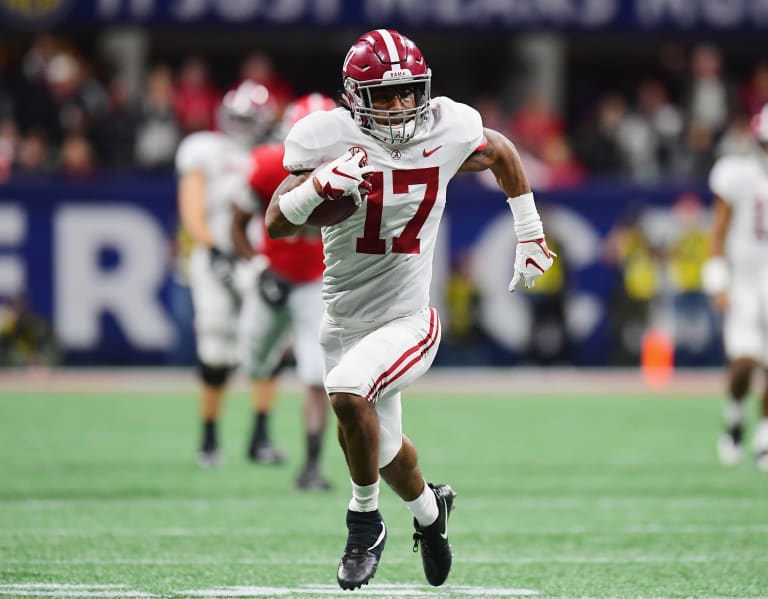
[[416, 538], [425, 536]]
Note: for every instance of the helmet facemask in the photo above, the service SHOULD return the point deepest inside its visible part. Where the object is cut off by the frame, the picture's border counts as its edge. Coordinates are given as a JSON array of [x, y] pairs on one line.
[[393, 127]]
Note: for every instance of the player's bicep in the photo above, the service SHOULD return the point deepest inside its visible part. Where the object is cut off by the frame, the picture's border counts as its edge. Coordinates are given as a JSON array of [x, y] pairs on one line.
[[501, 157], [480, 159], [239, 231]]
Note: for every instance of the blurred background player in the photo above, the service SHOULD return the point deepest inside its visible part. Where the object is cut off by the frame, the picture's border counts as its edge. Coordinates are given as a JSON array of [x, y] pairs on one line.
[[213, 168], [286, 301], [736, 276]]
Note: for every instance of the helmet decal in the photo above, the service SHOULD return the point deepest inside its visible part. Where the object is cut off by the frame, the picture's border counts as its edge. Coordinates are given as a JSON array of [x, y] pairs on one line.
[[389, 43]]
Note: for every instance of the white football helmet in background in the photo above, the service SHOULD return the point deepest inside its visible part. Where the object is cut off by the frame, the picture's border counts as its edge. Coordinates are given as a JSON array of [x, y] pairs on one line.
[[247, 113]]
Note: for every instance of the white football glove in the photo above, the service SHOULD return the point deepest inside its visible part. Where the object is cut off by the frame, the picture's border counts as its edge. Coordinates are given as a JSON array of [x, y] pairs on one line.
[[247, 273], [345, 176], [532, 259]]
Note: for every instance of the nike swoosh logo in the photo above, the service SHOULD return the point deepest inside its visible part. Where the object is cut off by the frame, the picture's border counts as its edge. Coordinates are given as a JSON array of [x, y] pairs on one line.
[[380, 538], [336, 171], [428, 153], [444, 534], [533, 262]]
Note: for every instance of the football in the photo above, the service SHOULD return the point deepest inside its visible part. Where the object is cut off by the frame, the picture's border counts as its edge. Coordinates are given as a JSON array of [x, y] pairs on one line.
[[332, 212]]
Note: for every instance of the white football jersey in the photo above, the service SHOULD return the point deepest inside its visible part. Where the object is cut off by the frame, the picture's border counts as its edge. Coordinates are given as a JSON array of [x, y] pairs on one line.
[[226, 168], [742, 181], [378, 262]]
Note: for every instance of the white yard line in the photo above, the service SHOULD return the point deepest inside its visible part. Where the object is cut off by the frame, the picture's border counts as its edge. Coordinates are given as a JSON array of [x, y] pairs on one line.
[[641, 529], [54, 585], [43, 589], [760, 558], [66, 592], [479, 503], [372, 590], [327, 591]]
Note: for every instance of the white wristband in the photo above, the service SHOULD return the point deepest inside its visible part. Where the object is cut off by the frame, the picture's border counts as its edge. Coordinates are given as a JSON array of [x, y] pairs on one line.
[[527, 222], [715, 276], [298, 203]]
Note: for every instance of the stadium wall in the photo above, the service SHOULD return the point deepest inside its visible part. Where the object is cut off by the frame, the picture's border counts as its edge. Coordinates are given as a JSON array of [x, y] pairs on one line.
[[99, 260]]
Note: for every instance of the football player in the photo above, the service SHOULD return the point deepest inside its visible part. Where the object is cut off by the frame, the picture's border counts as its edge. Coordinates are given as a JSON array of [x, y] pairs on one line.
[[736, 276], [393, 149], [287, 303], [213, 168]]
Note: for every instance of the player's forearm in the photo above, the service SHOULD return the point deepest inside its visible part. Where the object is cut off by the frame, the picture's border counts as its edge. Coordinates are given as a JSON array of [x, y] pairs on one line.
[[276, 223], [239, 234], [194, 223], [504, 162], [192, 208], [198, 231]]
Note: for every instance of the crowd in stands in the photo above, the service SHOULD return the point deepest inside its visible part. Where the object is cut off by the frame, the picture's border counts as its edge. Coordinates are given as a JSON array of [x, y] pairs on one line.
[[673, 125], [58, 116]]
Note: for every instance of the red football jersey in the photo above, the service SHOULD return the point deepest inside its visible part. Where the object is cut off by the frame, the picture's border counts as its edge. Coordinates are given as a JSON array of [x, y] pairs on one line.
[[298, 258]]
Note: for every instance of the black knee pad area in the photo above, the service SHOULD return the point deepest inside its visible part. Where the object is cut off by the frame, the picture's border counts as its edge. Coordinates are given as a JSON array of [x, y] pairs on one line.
[[215, 376]]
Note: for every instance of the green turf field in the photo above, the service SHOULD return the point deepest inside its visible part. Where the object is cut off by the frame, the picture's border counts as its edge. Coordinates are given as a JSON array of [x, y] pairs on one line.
[[612, 496]]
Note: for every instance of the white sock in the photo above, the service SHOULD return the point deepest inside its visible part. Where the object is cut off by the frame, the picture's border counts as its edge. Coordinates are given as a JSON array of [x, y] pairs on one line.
[[733, 412], [424, 507], [364, 498], [761, 436]]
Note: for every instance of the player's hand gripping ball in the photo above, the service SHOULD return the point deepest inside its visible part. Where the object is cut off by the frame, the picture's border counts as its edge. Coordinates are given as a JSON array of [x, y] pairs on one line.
[[344, 183]]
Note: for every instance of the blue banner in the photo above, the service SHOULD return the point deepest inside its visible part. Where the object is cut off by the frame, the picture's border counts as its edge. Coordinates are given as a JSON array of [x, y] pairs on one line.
[[94, 259], [584, 15], [97, 260]]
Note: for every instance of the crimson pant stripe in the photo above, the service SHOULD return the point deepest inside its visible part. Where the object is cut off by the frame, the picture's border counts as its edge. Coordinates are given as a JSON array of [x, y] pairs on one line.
[[406, 368], [422, 347], [404, 356]]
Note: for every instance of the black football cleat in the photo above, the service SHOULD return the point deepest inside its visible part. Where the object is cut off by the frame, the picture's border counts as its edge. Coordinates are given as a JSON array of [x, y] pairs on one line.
[[366, 537], [310, 479], [265, 452], [730, 446], [436, 555], [209, 455], [209, 458]]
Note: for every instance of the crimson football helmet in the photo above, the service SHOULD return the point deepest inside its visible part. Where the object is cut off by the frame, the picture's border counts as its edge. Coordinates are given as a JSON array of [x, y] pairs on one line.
[[380, 58], [760, 125], [247, 113], [301, 107]]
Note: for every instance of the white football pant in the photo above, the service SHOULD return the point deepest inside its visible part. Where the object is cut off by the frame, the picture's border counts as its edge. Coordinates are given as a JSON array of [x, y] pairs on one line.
[[268, 330], [745, 330], [378, 362], [216, 312]]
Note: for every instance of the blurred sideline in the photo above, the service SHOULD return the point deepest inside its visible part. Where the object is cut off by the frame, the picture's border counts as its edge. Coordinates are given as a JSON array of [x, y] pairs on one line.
[[515, 382]]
